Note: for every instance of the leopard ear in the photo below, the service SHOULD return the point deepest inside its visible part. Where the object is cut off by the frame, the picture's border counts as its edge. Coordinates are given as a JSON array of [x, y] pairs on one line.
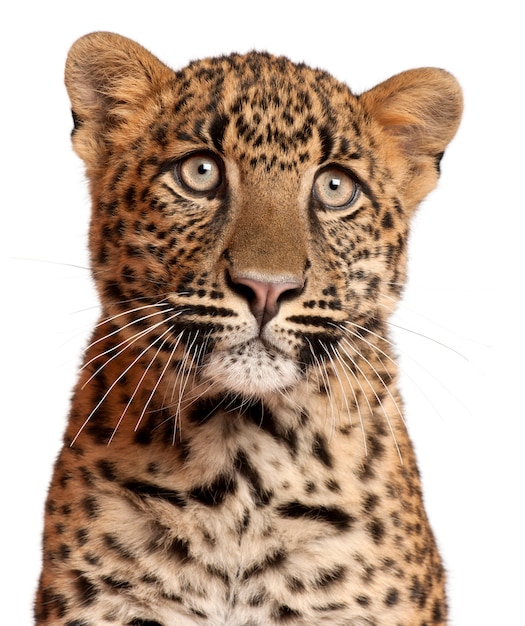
[[421, 107], [418, 112], [108, 78]]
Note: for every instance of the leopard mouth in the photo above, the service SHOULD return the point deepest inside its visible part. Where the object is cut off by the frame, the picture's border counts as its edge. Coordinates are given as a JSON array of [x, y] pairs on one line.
[[254, 368]]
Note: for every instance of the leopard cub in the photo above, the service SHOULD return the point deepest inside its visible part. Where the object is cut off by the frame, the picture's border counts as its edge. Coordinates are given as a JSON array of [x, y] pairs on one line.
[[235, 453]]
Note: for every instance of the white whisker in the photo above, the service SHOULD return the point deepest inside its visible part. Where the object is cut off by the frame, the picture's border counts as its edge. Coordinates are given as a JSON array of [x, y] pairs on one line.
[[127, 343], [138, 385], [428, 338], [108, 391], [185, 372], [166, 365], [345, 369], [137, 320], [374, 392]]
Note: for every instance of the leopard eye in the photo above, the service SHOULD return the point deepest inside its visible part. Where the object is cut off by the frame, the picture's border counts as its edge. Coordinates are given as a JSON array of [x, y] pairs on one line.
[[335, 188], [199, 173]]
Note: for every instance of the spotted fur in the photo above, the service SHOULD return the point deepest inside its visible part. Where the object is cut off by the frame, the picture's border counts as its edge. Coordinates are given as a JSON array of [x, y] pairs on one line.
[[235, 453]]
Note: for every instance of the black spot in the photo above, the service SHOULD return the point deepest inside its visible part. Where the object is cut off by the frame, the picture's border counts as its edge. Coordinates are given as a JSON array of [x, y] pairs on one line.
[[261, 496], [438, 612], [376, 530], [91, 507], [257, 599], [64, 551], [91, 559], [138, 621], [321, 452], [437, 162], [334, 516], [418, 592], [107, 469], [265, 420], [163, 541], [86, 590], [204, 410], [130, 198], [327, 143], [272, 560], [392, 597], [244, 523], [215, 493], [154, 491], [387, 221], [370, 501], [330, 577], [294, 584], [77, 122], [50, 602], [160, 134], [333, 606], [179, 548], [115, 583], [112, 543], [217, 129], [219, 573], [376, 449], [285, 613]]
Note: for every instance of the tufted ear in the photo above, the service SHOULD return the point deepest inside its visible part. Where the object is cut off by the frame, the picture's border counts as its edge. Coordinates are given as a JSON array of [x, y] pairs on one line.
[[108, 77], [420, 110]]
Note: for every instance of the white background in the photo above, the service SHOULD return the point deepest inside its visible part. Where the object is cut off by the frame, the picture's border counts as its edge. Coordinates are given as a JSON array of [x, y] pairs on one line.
[[463, 351]]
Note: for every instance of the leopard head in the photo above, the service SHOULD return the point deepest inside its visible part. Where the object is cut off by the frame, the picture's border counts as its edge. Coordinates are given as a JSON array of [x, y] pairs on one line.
[[250, 215]]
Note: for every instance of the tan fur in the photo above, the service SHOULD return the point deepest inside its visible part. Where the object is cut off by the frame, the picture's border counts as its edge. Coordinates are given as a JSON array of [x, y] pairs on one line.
[[235, 453]]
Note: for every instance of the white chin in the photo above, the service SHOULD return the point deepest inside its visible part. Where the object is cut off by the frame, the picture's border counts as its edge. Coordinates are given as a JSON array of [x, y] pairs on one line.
[[250, 370]]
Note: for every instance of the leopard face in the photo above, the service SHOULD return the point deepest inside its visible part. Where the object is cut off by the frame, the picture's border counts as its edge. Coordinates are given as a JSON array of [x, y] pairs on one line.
[[250, 214]]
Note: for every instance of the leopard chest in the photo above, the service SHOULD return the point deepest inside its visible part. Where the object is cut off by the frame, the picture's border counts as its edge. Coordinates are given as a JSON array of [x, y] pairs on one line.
[[257, 510]]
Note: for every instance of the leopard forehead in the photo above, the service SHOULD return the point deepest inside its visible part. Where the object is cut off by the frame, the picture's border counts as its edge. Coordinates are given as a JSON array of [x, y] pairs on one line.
[[265, 111]]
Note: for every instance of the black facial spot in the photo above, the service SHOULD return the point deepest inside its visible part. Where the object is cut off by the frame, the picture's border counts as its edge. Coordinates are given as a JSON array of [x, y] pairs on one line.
[[327, 143], [217, 129]]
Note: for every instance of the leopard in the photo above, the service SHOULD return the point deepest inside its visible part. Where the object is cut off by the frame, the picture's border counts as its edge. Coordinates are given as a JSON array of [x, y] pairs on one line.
[[236, 452]]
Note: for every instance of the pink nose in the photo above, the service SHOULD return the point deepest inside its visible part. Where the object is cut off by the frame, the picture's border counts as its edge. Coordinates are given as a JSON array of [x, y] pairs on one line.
[[264, 297]]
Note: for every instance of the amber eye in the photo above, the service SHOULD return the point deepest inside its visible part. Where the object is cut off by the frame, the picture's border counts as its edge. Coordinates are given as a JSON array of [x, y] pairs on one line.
[[200, 173], [335, 188]]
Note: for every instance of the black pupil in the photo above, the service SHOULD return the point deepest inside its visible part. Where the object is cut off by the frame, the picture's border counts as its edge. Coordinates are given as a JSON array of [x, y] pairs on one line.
[[204, 168], [335, 183]]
